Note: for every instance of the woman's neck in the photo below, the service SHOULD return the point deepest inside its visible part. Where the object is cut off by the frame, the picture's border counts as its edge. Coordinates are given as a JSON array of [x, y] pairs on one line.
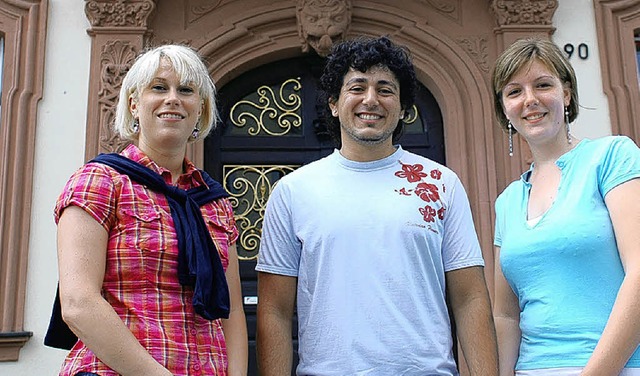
[[170, 160], [549, 153]]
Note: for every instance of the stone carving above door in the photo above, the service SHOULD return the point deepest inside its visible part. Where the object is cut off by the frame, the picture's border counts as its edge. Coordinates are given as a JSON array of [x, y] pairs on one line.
[[198, 8], [524, 12], [321, 23], [449, 8], [476, 47]]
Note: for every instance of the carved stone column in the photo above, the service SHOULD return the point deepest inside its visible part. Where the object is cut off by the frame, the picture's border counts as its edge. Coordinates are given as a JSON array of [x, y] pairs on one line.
[[518, 19], [118, 31]]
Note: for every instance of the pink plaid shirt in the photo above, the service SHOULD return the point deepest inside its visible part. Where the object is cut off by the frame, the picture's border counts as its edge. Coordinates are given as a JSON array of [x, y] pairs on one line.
[[141, 280]]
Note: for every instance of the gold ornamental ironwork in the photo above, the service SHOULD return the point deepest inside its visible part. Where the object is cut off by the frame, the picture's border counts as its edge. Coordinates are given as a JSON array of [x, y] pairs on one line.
[[276, 111], [249, 187], [411, 116]]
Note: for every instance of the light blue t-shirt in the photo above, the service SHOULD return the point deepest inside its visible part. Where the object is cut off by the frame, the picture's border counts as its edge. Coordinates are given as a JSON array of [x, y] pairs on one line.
[[370, 243], [565, 269]]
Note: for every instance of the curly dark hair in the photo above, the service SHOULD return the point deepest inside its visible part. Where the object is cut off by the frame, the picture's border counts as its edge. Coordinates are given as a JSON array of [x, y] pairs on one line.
[[361, 54]]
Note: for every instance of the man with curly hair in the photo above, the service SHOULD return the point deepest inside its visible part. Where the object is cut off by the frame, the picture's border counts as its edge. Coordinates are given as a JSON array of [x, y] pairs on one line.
[[375, 244]]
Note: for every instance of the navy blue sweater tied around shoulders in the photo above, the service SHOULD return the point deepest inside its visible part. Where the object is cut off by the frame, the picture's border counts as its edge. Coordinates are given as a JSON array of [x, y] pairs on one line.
[[199, 263]]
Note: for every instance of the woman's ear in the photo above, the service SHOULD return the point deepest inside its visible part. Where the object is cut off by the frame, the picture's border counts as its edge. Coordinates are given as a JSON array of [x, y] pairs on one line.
[[567, 94], [504, 111], [133, 106]]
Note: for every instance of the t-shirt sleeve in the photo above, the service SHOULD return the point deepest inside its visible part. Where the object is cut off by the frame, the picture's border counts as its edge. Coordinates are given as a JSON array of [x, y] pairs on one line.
[[279, 246], [92, 189], [620, 164], [460, 246]]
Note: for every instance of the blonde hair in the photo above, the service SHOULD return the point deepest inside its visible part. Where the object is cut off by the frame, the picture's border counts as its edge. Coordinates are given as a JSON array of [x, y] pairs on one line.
[[190, 70], [523, 52]]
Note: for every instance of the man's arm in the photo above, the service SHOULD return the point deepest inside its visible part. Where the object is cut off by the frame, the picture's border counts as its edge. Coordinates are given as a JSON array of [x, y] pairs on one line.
[[471, 309], [276, 299]]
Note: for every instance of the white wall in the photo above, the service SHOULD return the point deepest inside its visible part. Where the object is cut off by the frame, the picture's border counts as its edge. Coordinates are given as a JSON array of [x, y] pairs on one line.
[[59, 150], [575, 24]]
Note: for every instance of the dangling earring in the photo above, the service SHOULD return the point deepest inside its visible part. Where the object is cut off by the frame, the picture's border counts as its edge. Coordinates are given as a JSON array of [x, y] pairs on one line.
[[195, 133], [510, 139], [136, 125], [566, 120]]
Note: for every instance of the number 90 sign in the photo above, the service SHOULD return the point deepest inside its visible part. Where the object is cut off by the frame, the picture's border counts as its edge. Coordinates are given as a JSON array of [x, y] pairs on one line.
[[582, 51]]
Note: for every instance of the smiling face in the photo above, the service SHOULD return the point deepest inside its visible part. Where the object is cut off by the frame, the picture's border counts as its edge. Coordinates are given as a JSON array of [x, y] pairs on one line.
[[368, 108], [534, 100], [167, 110]]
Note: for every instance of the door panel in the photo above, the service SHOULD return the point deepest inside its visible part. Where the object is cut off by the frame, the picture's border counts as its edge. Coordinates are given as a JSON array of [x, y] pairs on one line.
[[270, 127]]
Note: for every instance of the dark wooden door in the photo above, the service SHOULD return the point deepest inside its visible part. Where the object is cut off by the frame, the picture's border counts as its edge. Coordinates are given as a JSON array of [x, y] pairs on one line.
[[271, 126]]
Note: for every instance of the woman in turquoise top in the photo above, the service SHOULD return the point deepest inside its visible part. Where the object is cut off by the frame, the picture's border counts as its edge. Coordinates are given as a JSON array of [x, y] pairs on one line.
[[567, 298]]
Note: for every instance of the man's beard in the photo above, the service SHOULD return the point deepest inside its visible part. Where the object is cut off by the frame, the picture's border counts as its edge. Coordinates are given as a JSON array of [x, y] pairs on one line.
[[364, 140]]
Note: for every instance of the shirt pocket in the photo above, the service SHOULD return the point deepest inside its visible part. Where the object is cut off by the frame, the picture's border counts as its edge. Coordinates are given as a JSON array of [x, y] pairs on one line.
[[150, 241], [144, 226]]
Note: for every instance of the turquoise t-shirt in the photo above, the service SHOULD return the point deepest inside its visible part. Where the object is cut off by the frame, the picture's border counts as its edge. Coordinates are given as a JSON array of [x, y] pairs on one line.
[[565, 269]]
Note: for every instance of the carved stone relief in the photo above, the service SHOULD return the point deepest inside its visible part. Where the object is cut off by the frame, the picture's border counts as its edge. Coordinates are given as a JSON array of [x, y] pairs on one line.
[[524, 12], [322, 22], [198, 8], [116, 59], [119, 13], [449, 8], [476, 47]]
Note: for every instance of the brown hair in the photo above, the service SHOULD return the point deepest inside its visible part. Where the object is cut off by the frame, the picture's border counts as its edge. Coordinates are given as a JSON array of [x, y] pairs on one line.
[[523, 52]]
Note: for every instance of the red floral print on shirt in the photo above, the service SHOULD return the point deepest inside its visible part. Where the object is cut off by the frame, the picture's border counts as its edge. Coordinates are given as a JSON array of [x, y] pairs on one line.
[[413, 173], [428, 189], [403, 191], [427, 192], [428, 213]]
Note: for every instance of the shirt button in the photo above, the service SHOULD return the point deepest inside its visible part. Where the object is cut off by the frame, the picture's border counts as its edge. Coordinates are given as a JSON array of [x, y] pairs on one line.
[[193, 332]]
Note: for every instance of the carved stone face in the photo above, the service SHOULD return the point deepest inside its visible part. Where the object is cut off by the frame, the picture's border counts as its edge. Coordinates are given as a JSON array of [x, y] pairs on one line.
[[322, 22]]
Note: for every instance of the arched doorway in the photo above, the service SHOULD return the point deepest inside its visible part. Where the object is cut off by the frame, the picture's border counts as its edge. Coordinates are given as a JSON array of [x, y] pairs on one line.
[[271, 126]]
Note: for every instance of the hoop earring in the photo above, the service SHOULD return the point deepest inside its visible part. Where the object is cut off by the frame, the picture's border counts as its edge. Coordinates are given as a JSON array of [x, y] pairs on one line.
[[510, 139], [566, 121], [136, 125], [195, 133]]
